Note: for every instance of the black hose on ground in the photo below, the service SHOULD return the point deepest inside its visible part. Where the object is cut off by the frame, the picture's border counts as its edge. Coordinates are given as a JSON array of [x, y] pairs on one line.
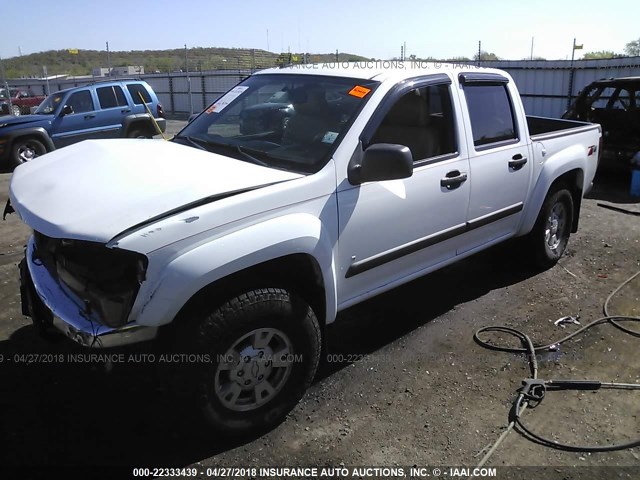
[[533, 390]]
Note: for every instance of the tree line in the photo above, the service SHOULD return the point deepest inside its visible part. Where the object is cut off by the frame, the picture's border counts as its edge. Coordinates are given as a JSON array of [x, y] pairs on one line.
[[82, 62]]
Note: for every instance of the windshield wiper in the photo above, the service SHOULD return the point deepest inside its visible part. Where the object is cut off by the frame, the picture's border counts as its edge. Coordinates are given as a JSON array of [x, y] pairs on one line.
[[250, 157], [202, 144], [191, 141]]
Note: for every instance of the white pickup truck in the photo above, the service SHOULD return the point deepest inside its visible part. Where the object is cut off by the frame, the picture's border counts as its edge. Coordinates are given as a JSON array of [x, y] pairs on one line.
[[301, 192]]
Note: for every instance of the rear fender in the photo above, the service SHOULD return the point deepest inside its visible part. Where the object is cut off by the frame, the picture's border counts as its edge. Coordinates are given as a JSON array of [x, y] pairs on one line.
[[568, 160]]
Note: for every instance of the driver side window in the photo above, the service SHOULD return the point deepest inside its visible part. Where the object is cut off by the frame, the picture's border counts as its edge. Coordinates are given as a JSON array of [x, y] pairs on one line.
[[81, 101], [422, 120]]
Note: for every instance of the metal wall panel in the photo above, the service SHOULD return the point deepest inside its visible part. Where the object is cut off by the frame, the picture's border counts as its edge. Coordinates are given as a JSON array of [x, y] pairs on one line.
[[544, 85]]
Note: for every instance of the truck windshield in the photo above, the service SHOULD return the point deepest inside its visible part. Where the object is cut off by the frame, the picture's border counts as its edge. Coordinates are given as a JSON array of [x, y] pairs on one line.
[[50, 103], [291, 122]]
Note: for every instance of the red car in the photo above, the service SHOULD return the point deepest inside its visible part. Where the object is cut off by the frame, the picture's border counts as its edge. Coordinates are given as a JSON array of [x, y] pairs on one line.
[[20, 102]]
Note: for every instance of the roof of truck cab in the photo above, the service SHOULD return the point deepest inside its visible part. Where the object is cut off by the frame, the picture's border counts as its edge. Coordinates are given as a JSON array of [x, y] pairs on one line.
[[379, 70]]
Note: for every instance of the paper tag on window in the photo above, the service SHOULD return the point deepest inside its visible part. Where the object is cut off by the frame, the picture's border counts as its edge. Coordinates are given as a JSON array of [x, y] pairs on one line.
[[359, 91], [329, 137], [226, 99]]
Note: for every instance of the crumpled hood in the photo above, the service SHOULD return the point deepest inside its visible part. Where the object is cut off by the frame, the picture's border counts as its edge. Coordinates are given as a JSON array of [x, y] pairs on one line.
[[96, 189], [7, 120]]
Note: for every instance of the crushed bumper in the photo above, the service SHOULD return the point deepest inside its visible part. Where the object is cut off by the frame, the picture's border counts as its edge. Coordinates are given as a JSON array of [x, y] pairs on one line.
[[50, 305]]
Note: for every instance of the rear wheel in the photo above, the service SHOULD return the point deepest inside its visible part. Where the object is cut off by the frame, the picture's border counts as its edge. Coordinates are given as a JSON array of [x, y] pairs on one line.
[[261, 351], [550, 234], [25, 150], [139, 133]]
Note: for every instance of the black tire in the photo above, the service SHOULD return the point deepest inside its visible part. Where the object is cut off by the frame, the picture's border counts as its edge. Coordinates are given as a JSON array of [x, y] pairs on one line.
[[138, 133], [25, 149], [550, 234], [16, 111], [239, 388]]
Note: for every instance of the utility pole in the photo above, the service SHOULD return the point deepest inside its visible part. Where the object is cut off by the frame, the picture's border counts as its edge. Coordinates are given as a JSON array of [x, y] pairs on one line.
[[479, 51], [46, 76], [572, 72], [532, 48], [4, 78], [5, 83], [186, 67], [108, 60]]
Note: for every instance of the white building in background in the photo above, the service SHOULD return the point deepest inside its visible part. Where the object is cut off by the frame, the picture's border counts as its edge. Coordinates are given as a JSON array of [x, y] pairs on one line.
[[118, 71]]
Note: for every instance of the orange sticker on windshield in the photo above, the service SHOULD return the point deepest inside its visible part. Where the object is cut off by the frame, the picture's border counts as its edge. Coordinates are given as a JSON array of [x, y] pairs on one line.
[[359, 91]]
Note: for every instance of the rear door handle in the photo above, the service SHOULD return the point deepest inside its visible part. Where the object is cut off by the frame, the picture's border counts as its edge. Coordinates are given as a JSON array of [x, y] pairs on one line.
[[453, 179], [126, 110], [517, 161]]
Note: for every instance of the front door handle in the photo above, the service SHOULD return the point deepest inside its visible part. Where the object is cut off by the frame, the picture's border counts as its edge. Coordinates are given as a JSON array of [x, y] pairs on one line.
[[517, 161], [125, 110], [453, 179], [88, 116]]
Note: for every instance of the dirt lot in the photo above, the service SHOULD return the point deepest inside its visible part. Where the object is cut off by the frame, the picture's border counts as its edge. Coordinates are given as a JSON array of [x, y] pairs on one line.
[[403, 383]]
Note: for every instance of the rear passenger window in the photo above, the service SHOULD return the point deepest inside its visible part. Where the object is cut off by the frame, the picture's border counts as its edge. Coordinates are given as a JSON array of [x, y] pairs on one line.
[[422, 120], [135, 89], [110, 97], [491, 114]]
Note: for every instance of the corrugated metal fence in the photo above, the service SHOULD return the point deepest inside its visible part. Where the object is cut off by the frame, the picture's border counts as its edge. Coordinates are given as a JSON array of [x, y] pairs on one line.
[[544, 85]]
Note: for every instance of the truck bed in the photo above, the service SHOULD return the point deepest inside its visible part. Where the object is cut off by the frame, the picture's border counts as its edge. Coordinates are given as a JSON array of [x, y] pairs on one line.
[[544, 126]]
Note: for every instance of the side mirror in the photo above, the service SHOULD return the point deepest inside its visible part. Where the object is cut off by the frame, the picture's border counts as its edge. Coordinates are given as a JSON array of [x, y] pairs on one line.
[[66, 110], [381, 161], [192, 117]]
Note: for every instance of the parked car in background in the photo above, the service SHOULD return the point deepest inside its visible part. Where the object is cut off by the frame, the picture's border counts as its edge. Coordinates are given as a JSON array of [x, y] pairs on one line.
[[614, 103], [114, 108], [18, 101]]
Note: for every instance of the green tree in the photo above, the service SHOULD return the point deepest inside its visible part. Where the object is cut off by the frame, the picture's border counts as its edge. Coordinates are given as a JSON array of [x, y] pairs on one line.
[[633, 48], [600, 54], [485, 56]]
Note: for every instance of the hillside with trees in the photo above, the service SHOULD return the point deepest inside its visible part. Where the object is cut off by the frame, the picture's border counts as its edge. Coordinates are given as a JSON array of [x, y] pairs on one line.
[[82, 62]]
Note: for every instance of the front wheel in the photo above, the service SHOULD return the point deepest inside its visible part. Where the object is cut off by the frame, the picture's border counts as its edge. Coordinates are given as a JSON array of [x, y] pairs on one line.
[[15, 110], [25, 150], [551, 231], [261, 351]]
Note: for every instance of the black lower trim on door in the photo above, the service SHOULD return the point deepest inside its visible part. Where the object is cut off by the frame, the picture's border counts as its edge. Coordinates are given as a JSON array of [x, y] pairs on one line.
[[362, 266], [495, 216]]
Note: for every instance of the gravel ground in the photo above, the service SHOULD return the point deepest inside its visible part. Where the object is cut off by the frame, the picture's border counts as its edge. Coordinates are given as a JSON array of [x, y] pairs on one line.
[[403, 382]]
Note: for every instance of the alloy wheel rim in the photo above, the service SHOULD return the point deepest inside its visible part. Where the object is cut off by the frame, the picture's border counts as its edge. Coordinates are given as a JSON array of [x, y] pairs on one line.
[[254, 369], [555, 226]]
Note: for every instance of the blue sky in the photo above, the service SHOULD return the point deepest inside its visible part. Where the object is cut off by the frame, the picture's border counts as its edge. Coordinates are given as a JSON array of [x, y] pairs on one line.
[[372, 28]]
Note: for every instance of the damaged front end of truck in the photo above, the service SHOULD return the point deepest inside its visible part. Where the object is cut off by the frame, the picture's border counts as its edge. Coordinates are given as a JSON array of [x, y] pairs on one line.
[[90, 286]]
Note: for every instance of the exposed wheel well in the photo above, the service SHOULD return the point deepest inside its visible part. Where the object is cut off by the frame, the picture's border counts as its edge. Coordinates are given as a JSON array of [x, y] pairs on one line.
[[31, 136], [145, 127], [573, 181], [298, 273]]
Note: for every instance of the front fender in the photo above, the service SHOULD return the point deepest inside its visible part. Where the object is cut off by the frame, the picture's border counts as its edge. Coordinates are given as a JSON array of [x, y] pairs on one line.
[[187, 274], [36, 132], [569, 159]]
